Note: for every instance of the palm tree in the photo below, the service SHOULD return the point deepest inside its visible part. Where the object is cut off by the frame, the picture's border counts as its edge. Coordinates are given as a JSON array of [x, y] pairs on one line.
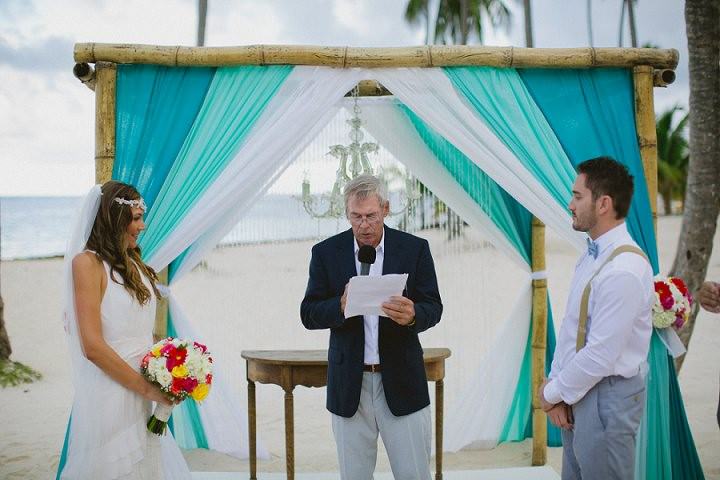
[[702, 203], [202, 21], [672, 157], [631, 20], [459, 20], [418, 12], [5, 349], [528, 24], [588, 18]]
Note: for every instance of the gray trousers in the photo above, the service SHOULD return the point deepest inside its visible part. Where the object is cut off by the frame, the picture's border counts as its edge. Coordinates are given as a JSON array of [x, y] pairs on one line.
[[406, 438], [601, 445]]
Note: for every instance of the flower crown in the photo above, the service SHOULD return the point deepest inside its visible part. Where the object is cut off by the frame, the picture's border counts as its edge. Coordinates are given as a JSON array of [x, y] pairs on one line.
[[133, 203]]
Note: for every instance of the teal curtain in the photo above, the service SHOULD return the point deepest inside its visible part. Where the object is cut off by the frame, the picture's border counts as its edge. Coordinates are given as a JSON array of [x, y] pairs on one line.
[[235, 100], [516, 224], [592, 113], [498, 96], [151, 124]]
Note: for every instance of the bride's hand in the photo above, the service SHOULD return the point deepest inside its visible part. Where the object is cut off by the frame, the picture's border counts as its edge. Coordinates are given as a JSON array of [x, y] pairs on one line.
[[153, 393]]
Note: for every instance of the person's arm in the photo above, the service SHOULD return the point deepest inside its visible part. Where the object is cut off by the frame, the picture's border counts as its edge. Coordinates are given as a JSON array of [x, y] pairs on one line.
[[709, 296], [619, 300], [88, 274], [320, 308], [424, 310]]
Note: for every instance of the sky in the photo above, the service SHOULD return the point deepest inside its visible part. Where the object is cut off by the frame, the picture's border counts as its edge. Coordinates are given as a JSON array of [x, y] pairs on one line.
[[47, 116]]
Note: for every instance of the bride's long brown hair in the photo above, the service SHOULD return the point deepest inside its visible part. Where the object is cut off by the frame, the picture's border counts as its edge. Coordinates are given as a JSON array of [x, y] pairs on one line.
[[108, 239]]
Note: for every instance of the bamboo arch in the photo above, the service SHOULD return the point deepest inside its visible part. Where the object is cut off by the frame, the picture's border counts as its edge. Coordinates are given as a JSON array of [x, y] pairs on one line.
[[651, 67]]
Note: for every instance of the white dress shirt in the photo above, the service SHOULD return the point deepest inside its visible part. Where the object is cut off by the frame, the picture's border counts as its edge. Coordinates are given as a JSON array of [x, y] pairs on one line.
[[372, 322], [619, 322]]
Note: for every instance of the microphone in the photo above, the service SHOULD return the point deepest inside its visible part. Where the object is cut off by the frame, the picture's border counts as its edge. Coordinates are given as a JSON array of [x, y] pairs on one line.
[[366, 255]]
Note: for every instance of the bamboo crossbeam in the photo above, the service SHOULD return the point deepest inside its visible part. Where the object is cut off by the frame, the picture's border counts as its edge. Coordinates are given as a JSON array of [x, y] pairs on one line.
[[346, 57], [538, 342], [646, 133]]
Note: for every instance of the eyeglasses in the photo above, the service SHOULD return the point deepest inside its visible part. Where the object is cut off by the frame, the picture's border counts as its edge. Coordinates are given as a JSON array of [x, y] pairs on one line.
[[371, 219]]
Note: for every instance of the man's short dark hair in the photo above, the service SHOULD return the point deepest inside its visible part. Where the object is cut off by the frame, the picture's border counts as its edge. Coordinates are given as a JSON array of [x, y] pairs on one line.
[[607, 176]]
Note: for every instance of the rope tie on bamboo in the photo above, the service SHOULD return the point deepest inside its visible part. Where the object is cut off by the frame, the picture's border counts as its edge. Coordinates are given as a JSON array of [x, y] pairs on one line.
[[539, 275], [163, 289], [582, 320]]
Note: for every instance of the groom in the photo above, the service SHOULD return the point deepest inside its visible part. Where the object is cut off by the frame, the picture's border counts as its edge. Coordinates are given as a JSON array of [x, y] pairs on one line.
[[596, 389], [376, 375]]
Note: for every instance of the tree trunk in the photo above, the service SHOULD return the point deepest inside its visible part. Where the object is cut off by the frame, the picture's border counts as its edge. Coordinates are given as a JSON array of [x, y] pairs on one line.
[[702, 202], [633, 25], [528, 24], [667, 201], [5, 349], [202, 21], [589, 22], [464, 30]]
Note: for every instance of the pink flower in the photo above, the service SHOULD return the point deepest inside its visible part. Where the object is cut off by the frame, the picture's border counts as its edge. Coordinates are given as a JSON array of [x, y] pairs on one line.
[[175, 357], [200, 346]]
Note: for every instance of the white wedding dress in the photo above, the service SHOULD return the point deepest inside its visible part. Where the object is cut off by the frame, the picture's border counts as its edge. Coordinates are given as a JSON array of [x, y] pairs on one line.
[[108, 437]]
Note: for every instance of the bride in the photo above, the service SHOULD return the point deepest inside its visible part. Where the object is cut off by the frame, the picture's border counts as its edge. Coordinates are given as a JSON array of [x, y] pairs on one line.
[[110, 302]]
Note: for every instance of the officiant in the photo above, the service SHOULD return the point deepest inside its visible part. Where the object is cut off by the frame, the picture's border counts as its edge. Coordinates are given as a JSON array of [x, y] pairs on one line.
[[376, 376]]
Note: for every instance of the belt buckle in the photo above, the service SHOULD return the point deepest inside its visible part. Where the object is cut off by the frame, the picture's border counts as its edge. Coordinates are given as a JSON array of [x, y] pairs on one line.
[[373, 368]]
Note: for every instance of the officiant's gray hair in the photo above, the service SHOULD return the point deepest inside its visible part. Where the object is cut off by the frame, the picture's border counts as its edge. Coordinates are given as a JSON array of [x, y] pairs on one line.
[[364, 186]]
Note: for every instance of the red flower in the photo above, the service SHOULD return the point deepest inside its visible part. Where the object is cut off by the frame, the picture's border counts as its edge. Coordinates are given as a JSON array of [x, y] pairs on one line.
[[680, 285], [177, 385], [208, 379], [175, 357]]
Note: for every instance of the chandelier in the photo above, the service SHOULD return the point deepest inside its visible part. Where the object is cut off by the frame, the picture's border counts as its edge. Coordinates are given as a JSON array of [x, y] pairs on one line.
[[353, 161]]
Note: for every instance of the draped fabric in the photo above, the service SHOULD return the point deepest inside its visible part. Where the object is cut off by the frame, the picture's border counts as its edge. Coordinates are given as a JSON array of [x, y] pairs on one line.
[[152, 123], [234, 101], [497, 145], [430, 95]]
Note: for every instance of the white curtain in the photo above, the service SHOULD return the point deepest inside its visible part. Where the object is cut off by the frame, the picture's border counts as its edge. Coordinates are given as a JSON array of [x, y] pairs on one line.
[[430, 94], [477, 409]]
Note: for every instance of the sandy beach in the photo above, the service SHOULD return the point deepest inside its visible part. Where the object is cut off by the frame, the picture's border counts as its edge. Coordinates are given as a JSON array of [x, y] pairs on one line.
[[248, 297]]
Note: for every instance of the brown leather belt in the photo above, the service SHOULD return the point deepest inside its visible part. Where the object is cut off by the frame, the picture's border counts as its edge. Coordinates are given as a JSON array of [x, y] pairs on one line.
[[372, 368]]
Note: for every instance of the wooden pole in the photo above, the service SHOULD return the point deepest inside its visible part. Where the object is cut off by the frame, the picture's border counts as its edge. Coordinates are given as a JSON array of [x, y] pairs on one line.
[[646, 133], [105, 78], [161, 314], [345, 57], [538, 342]]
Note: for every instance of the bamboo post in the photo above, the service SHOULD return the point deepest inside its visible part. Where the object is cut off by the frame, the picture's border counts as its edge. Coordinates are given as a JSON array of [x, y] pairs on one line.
[[646, 133], [538, 343], [105, 75], [161, 314]]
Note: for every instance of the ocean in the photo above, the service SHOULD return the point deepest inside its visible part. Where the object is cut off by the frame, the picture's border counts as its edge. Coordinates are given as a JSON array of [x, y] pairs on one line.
[[38, 227]]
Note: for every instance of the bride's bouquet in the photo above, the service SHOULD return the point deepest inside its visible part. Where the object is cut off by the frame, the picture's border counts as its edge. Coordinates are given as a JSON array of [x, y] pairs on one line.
[[181, 369]]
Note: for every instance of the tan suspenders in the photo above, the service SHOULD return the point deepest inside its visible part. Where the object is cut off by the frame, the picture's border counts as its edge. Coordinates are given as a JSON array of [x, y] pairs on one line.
[[582, 322]]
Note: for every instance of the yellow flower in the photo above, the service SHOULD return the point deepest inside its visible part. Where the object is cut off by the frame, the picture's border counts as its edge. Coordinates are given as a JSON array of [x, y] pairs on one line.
[[200, 392], [155, 351], [180, 371]]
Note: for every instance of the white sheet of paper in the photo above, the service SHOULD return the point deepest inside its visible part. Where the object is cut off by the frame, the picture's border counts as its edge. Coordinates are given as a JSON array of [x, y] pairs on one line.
[[366, 293]]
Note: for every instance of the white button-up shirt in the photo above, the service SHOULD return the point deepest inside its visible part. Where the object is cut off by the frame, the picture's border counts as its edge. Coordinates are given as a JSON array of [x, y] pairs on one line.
[[619, 322], [372, 322]]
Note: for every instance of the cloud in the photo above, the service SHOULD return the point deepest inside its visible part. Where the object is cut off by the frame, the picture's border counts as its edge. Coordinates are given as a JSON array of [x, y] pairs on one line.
[[51, 54]]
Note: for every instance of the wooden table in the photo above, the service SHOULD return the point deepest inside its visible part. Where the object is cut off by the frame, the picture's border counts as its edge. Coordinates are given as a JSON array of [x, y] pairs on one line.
[[289, 368]]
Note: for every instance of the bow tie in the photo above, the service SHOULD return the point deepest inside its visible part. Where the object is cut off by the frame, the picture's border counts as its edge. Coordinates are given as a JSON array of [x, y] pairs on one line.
[[593, 248]]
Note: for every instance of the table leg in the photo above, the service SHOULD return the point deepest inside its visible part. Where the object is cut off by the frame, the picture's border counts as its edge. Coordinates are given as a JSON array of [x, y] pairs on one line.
[[438, 429], [289, 435], [252, 432]]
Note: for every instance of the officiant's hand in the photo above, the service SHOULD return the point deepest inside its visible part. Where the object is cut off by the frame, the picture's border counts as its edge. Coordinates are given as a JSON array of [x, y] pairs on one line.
[[343, 299], [400, 310]]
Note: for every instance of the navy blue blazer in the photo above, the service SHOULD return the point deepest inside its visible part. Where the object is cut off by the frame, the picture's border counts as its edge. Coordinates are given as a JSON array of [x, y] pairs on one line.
[[403, 371]]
